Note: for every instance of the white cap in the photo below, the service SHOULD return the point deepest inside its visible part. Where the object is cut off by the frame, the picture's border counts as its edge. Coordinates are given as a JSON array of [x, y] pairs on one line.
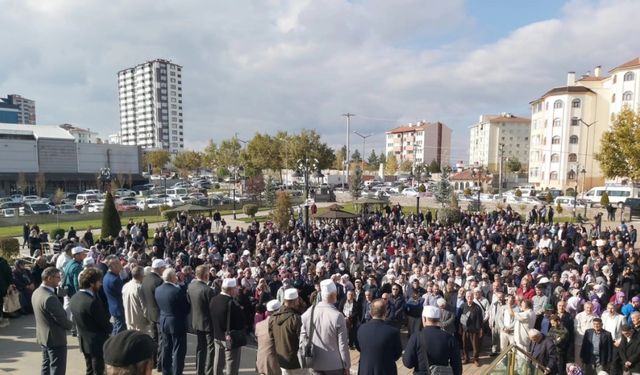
[[327, 287], [290, 294], [441, 302], [543, 280], [246, 253], [229, 283], [158, 263], [273, 305], [88, 261], [431, 312], [78, 250]]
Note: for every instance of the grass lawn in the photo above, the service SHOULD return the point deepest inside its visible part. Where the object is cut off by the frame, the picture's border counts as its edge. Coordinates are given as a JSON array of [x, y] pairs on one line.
[[15, 231]]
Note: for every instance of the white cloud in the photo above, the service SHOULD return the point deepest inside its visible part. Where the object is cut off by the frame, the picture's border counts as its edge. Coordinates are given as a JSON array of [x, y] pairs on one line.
[[288, 64]]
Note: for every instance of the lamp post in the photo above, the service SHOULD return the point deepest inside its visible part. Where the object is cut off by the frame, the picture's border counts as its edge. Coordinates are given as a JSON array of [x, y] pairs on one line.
[[584, 177], [586, 150], [304, 167], [364, 141], [105, 177], [235, 170], [478, 172]]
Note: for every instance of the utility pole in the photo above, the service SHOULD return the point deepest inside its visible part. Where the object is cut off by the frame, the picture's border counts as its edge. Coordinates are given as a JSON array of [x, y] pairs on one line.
[[501, 169], [364, 141], [348, 156]]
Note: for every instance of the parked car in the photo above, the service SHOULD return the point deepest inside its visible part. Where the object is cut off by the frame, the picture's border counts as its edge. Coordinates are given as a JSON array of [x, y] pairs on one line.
[[8, 212], [17, 198], [66, 209], [125, 193], [410, 192], [126, 206], [181, 185], [86, 198], [31, 198], [150, 203], [196, 196], [38, 209], [95, 207]]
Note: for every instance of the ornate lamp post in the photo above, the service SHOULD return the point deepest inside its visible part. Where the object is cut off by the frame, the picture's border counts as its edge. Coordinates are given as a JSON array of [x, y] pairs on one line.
[[305, 167], [235, 170], [478, 172], [105, 177]]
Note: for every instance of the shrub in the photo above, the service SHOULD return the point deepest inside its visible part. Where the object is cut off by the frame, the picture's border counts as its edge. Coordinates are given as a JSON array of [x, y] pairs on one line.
[[454, 201], [570, 192], [548, 197], [559, 208], [422, 188], [56, 232], [467, 192], [449, 215], [604, 199], [9, 247], [518, 193], [169, 215], [250, 209], [110, 219], [500, 205], [475, 206]]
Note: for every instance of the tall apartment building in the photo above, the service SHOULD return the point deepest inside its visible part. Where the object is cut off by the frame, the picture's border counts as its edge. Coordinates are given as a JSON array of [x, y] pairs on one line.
[[151, 106], [492, 131], [420, 142], [14, 109], [567, 124]]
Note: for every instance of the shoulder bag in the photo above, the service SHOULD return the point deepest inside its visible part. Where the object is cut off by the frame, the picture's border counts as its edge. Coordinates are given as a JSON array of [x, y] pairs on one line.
[[11, 301], [305, 349], [233, 338], [435, 369]]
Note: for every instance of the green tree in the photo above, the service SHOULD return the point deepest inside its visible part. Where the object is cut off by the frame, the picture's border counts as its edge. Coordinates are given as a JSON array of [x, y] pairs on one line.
[[391, 167], [187, 161], [443, 189], [355, 157], [513, 165], [210, 156], [306, 144], [434, 167], [262, 153], [270, 192], [157, 159], [355, 183], [604, 199], [518, 193], [549, 197], [373, 160], [406, 166], [229, 153], [110, 218], [619, 154], [282, 211], [382, 159]]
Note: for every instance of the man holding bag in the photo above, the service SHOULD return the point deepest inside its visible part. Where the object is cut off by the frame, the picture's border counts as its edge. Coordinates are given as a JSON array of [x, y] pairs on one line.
[[228, 329]]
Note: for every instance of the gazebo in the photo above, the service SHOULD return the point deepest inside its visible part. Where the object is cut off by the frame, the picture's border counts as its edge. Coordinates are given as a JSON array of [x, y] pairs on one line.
[[189, 208], [365, 203]]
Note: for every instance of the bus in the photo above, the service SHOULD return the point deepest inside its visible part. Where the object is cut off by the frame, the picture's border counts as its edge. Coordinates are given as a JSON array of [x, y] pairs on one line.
[[617, 194]]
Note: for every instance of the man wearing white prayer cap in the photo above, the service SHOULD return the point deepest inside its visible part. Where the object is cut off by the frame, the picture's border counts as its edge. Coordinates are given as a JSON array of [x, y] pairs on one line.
[[283, 330], [224, 308], [330, 341], [266, 360]]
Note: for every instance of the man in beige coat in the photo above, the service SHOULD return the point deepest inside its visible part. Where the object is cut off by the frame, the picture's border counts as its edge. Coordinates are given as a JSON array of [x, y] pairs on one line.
[[266, 361], [135, 311]]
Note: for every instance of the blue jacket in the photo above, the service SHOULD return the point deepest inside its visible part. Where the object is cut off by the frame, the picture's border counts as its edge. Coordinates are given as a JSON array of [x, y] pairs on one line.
[[380, 347], [112, 286], [174, 308]]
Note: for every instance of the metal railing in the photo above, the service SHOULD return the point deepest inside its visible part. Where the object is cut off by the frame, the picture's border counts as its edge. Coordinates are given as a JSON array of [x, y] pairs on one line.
[[515, 361]]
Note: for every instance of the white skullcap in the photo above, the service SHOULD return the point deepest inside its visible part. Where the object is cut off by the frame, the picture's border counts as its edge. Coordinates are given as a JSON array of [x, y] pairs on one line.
[[88, 261], [290, 294], [273, 305], [431, 312], [327, 287], [158, 263], [534, 332], [441, 302], [229, 283], [246, 253], [78, 250]]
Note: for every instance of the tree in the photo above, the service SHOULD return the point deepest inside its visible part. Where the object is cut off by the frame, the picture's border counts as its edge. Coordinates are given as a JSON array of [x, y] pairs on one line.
[[256, 185], [282, 211], [513, 165], [355, 157], [262, 153], [619, 154], [187, 161], [391, 167], [340, 158], [157, 159], [406, 166], [355, 183], [434, 167], [41, 183], [229, 153], [443, 189], [58, 196], [373, 160], [21, 183], [604, 199], [110, 218], [454, 201], [306, 144], [549, 197], [270, 192], [466, 192], [518, 193], [382, 159], [210, 156]]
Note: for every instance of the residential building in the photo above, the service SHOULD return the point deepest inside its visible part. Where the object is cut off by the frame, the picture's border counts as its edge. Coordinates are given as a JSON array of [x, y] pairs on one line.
[[420, 142], [81, 135], [114, 138], [568, 122], [23, 110], [151, 113], [496, 136]]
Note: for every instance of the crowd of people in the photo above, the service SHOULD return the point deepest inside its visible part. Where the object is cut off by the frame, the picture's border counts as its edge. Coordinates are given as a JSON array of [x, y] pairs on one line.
[[567, 294]]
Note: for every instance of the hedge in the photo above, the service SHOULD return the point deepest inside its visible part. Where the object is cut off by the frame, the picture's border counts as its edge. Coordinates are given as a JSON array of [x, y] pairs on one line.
[[250, 209], [56, 232], [9, 247]]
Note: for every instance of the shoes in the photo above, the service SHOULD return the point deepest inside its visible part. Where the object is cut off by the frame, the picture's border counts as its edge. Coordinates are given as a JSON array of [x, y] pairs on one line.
[[4, 323]]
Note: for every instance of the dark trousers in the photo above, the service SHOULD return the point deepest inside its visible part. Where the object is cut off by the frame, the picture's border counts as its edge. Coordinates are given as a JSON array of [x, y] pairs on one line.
[[54, 360], [119, 325], [174, 349], [205, 352], [155, 335], [470, 342], [95, 364]]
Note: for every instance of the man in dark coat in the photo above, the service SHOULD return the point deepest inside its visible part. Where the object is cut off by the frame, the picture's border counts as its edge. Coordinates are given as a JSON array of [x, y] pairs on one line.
[[223, 307], [92, 320], [149, 285], [629, 349], [379, 343], [544, 350], [200, 295], [600, 359], [174, 308], [432, 345], [471, 319]]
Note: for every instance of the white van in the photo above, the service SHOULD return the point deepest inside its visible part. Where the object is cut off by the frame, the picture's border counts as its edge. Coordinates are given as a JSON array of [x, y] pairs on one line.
[[566, 201], [617, 194], [177, 192], [84, 198]]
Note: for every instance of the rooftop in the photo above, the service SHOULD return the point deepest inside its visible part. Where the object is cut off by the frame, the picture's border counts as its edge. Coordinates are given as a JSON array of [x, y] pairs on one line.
[[413, 127], [565, 90], [629, 64], [38, 131]]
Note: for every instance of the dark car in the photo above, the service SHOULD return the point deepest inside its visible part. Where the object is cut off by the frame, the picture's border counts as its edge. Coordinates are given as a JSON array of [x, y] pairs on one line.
[[634, 207]]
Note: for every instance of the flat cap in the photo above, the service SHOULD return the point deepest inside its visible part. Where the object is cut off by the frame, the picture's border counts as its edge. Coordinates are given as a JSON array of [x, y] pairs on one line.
[[128, 348]]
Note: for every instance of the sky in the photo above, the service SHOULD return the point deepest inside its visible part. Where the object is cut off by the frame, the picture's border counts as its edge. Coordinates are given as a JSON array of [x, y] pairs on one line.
[[271, 65]]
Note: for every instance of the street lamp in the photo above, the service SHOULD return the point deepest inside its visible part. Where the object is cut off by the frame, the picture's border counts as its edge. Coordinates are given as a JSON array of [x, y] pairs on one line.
[[584, 177], [235, 170], [304, 168], [105, 177], [477, 172], [364, 141], [586, 148]]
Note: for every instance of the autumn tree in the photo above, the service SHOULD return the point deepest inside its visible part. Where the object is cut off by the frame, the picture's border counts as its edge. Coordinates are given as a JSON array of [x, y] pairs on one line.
[[391, 167], [58, 196], [210, 156], [306, 144], [187, 161], [229, 153], [41, 183], [619, 154], [282, 211], [157, 159], [406, 166], [256, 185], [262, 153], [340, 157]]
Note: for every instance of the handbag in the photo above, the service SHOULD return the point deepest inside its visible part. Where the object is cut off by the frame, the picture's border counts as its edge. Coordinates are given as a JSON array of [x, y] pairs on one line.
[[435, 369], [233, 338], [11, 301], [305, 349]]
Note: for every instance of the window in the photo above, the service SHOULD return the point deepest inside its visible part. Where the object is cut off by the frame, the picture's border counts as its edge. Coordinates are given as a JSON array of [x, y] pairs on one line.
[[556, 122], [555, 158], [628, 76], [553, 176], [613, 98], [573, 140], [571, 175], [575, 103], [574, 121], [557, 104], [615, 78], [556, 140], [627, 96], [573, 158]]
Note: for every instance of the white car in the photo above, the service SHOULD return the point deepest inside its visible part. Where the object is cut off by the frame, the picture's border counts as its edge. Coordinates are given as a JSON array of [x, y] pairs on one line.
[[410, 192], [125, 193], [65, 209], [17, 198], [151, 203], [31, 198], [95, 207], [196, 196]]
